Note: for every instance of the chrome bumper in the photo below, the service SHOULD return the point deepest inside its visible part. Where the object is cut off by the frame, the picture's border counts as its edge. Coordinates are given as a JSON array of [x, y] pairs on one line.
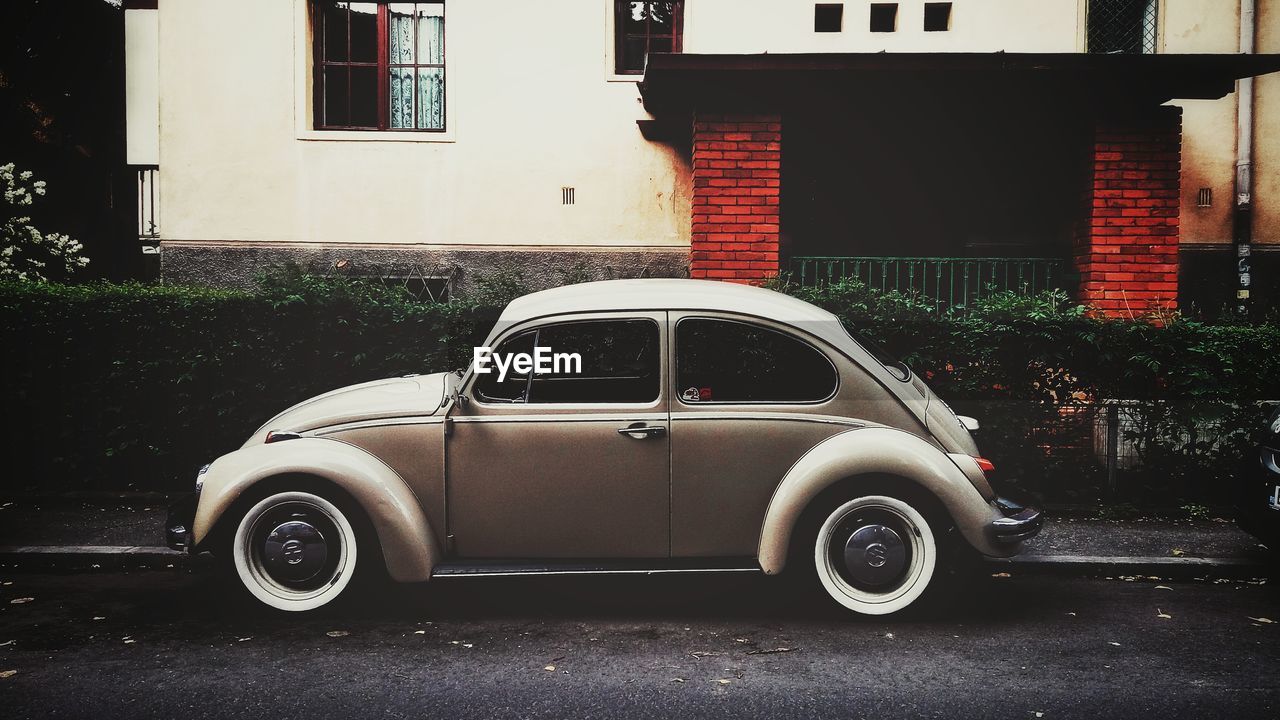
[[1019, 523]]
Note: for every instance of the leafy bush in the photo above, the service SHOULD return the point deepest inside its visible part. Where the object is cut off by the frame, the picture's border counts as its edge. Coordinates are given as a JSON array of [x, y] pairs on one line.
[[1040, 373], [25, 252], [133, 386]]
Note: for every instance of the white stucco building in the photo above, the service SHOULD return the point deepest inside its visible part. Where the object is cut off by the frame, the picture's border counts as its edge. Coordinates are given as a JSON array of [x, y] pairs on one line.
[[568, 138]]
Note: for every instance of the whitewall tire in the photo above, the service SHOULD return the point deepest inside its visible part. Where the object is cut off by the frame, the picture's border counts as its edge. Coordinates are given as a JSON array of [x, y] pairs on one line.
[[294, 551], [875, 555]]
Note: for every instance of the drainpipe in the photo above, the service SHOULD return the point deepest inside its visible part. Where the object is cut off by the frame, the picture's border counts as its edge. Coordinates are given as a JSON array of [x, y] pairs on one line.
[[1242, 220]]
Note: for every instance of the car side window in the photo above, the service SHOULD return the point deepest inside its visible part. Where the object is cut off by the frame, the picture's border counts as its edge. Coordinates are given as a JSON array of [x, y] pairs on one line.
[[620, 363], [730, 361], [514, 388]]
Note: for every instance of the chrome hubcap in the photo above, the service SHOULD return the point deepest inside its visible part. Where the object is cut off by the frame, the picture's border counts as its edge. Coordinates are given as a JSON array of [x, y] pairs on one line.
[[296, 546], [875, 555], [294, 551]]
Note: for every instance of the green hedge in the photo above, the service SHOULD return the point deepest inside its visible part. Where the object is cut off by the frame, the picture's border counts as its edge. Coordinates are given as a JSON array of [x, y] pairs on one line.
[[133, 386], [1038, 371]]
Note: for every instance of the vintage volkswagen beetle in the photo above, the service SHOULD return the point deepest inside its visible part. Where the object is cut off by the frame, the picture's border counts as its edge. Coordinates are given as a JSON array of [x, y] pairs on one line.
[[712, 427]]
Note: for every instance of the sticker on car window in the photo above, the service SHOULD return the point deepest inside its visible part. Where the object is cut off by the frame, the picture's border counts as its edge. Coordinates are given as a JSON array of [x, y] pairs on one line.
[[690, 395]]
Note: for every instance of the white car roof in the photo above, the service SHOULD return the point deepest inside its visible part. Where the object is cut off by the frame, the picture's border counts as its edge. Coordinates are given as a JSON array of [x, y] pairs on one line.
[[666, 294]]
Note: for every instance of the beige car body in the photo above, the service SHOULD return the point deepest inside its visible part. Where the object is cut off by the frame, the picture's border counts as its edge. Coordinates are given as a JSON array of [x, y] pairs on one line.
[[443, 477]]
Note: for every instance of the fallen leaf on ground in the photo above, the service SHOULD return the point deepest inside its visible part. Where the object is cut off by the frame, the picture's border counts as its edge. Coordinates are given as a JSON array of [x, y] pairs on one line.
[[1039, 714], [550, 668], [888, 636], [130, 642], [244, 639], [1264, 621], [1112, 642], [1163, 615], [677, 680], [1163, 587], [8, 673], [774, 651], [20, 601], [337, 633], [467, 645], [1071, 614], [1177, 552], [724, 681], [741, 640], [419, 632]]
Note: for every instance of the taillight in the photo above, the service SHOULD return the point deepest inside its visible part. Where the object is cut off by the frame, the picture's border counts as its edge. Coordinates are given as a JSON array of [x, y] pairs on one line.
[[986, 465], [279, 435]]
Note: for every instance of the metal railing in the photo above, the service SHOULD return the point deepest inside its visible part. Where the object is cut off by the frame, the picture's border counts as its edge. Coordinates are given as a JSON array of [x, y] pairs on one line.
[[148, 201], [950, 282]]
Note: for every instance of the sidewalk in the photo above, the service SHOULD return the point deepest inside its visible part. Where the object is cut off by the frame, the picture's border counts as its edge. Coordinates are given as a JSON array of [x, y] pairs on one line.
[[127, 532]]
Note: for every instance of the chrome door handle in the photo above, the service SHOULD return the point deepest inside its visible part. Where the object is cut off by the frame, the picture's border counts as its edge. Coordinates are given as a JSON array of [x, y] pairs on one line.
[[641, 431]]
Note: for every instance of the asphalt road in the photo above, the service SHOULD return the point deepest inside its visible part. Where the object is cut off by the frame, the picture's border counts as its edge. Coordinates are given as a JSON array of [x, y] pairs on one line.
[[177, 644]]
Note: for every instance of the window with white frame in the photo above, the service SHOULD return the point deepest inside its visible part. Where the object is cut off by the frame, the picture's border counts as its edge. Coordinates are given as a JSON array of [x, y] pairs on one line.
[[378, 65], [641, 27]]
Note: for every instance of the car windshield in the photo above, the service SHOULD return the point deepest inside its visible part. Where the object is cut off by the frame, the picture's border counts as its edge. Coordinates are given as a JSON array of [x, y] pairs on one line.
[[890, 361]]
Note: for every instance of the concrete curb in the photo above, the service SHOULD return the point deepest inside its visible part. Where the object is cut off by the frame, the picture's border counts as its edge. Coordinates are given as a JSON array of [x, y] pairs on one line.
[[1170, 567], [94, 557], [126, 557]]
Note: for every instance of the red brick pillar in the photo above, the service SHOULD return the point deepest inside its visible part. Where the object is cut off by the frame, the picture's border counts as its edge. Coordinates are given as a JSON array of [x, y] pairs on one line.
[[1126, 249], [736, 182]]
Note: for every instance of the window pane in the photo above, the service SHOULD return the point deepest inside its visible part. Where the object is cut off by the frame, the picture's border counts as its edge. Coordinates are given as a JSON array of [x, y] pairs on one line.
[[619, 363], [661, 18], [514, 385], [431, 33], [364, 32], [334, 18], [400, 46], [401, 97], [632, 59], [725, 361], [431, 98], [631, 17], [364, 96], [659, 44], [335, 96]]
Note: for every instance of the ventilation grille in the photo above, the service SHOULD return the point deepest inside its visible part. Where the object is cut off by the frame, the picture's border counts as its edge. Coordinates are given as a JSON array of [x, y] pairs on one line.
[[566, 196], [1204, 198]]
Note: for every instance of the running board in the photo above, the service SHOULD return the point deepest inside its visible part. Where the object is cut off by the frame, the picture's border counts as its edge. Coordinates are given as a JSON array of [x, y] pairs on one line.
[[508, 568]]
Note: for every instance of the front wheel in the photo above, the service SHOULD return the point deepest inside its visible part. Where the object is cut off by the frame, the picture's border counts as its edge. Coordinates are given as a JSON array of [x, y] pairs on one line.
[[294, 551], [875, 555]]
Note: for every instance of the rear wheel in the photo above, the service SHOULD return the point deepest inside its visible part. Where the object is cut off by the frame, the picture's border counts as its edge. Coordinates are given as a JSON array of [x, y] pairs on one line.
[[875, 554], [294, 551]]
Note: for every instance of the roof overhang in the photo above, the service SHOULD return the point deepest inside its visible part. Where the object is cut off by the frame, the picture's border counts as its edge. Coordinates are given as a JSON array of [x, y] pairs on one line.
[[679, 83]]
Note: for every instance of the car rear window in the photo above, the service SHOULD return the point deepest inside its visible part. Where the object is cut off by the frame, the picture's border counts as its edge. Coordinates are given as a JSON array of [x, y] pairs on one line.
[[731, 361]]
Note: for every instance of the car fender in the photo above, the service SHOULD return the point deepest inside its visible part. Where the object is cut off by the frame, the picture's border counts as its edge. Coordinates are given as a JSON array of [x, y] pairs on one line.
[[874, 451], [409, 546]]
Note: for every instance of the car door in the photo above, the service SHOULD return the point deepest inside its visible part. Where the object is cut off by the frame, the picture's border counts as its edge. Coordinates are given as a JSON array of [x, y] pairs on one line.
[[749, 398], [565, 464]]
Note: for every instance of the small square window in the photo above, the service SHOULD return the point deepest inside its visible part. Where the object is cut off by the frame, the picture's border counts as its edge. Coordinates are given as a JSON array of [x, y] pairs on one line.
[[884, 17], [828, 17], [937, 17]]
